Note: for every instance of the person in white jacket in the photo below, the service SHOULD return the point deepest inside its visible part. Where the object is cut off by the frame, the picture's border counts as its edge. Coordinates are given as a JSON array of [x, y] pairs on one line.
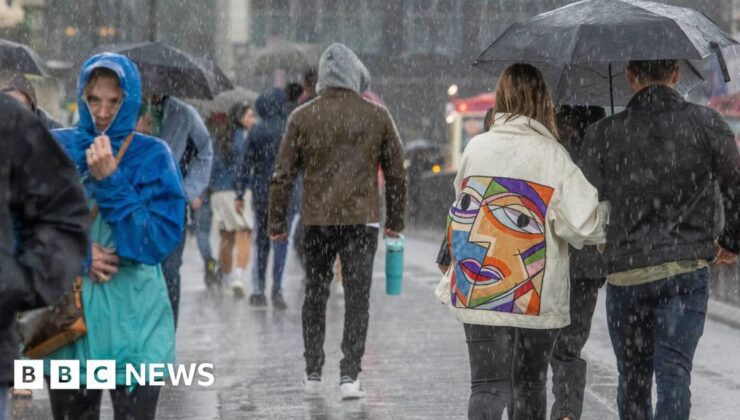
[[520, 201]]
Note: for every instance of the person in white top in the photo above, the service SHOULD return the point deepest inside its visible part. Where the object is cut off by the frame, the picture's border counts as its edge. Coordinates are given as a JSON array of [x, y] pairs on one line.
[[520, 201]]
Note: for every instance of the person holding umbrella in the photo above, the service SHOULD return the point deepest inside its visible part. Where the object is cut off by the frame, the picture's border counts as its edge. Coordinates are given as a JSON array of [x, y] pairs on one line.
[[520, 201], [180, 125], [20, 88], [658, 162]]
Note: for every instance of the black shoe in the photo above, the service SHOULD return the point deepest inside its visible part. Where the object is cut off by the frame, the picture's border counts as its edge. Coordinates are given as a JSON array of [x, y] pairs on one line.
[[211, 276], [258, 300], [278, 301]]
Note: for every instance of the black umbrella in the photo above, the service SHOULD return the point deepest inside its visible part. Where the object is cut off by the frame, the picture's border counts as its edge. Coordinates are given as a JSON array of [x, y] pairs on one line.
[[20, 58], [166, 70], [591, 37]]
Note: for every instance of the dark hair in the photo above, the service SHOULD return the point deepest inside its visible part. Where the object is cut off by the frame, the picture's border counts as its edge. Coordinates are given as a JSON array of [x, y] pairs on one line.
[[293, 91], [310, 77], [572, 122], [653, 70], [522, 90], [488, 119], [236, 113], [223, 126]]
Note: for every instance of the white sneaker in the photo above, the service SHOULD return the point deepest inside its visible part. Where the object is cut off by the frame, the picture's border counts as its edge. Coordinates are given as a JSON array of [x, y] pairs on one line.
[[237, 288], [351, 389], [312, 383]]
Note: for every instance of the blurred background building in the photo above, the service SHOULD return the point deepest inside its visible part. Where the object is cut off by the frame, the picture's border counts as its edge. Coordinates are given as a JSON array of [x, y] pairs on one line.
[[415, 49]]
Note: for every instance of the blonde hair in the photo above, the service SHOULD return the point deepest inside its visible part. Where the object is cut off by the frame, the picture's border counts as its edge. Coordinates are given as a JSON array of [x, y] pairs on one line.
[[521, 90]]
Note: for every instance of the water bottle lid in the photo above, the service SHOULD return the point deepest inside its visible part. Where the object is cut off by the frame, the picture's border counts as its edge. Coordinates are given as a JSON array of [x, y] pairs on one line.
[[394, 244]]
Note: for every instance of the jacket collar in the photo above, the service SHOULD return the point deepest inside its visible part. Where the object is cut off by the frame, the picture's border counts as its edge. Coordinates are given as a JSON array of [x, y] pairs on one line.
[[655, 95], [336, 92], [519, 123]]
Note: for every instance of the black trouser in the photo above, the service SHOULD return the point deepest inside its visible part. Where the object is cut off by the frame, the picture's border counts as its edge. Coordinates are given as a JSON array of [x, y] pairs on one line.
[[84, 404], [356, 246], [171, 272], [508, 368], [568, 368]]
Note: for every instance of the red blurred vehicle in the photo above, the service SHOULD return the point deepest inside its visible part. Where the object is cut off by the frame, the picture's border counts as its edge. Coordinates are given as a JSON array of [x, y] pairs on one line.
[[464, 121], [729, 107]]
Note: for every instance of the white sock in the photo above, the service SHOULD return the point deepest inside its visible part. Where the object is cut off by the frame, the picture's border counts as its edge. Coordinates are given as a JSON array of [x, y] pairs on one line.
[[238, 274], [226, 277]]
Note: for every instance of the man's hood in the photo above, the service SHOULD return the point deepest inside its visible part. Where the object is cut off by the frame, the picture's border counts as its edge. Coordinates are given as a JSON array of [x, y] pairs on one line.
[[271, 103], [17, 81], [130, 81], [339, 67]]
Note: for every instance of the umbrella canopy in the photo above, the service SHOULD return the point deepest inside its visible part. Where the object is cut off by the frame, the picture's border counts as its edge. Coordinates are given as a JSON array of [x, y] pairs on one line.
[[288, 56], [20, 58], [165, 70], [225, 100], [578, 45]]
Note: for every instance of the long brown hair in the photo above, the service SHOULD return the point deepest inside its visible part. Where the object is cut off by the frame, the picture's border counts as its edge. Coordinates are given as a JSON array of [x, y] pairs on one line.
[[521, 90]]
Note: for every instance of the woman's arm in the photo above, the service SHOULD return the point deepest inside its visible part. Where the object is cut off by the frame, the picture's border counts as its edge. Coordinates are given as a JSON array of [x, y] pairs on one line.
[[148, 215]]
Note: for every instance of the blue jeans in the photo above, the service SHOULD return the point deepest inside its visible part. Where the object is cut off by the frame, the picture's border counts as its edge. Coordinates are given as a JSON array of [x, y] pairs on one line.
[[655, 328], [202, 221], [4, 406], [262, 245]]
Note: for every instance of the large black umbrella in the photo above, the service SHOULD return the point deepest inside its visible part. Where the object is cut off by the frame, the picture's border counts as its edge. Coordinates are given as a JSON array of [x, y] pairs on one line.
[[20, 58], [583, 42], [166, 70]]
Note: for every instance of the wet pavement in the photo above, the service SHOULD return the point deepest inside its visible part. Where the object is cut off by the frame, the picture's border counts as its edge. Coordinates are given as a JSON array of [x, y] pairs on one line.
[[415, 366]]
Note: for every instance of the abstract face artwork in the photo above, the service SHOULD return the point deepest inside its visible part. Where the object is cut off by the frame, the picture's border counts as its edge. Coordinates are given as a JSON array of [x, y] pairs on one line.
[[496, 234]]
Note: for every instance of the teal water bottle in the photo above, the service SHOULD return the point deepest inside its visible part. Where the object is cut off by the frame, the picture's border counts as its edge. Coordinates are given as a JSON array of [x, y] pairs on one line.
[[393, 265]]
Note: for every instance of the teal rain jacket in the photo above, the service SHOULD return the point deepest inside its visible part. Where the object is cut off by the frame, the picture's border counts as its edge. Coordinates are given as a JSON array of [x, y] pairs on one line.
[[129, 318]]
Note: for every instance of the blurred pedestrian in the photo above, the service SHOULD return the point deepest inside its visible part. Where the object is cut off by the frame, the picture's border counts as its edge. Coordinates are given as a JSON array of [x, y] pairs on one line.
[[43, 226], [134, 183], [20, 88], [658, 162], [234, 222], [588, 275], [337, 142], [256, 169], [180, 125], [520, 201]]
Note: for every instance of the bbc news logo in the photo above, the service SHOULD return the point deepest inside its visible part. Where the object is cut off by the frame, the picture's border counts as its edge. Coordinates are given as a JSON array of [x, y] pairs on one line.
[[101, 374]]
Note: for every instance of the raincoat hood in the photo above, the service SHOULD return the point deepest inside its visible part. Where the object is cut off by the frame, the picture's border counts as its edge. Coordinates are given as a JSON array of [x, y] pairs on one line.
[[339, 67], [130, 82], [271, 103]]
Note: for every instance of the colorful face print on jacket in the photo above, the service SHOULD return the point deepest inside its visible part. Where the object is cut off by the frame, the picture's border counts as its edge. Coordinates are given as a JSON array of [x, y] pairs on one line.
[[496, 236]]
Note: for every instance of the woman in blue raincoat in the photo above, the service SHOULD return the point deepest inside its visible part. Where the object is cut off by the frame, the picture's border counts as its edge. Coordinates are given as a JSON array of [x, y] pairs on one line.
[[128, 315]]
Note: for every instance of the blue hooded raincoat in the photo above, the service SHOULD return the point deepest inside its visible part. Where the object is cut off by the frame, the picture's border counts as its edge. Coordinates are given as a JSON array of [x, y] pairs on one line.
[[129, 318]]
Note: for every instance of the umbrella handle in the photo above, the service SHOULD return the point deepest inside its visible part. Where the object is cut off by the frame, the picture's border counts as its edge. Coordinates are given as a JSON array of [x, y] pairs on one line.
[[721, 59]]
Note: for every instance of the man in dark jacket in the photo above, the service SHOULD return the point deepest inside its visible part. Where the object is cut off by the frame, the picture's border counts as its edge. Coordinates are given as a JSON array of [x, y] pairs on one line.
[[337, 142], [40, 191], [658, 162], [257, 167], [182, 128]]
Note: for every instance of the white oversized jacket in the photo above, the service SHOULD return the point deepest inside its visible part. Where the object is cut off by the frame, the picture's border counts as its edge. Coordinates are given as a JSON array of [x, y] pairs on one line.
[[520, 200]]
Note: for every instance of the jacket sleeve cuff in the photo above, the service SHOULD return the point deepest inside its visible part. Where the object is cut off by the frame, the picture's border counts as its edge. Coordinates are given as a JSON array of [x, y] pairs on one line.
[[111, 181], [729, 242]]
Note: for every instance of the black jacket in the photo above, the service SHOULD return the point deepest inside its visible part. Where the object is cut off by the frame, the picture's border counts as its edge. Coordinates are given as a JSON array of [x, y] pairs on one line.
[[41, 193], [657, 162]]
